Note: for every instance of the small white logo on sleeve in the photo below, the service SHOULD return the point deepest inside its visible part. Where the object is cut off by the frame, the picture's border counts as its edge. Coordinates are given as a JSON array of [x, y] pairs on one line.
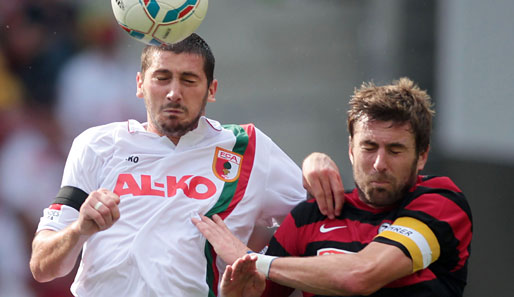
[[52, 214], [322, 229]]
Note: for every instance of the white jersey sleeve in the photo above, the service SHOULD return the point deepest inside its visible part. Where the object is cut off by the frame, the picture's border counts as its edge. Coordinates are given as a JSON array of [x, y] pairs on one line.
[[281, 185], [86, 159], [82, 170], [57, 217]]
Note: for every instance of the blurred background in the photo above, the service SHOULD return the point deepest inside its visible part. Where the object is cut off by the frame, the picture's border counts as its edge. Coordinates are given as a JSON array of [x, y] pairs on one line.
[[290, 67]]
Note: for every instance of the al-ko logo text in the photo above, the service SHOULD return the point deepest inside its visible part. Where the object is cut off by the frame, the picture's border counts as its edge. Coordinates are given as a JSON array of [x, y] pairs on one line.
[[195, 187]]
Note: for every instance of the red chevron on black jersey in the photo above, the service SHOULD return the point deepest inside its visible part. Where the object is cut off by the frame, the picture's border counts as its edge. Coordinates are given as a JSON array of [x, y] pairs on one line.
[[434, 201]]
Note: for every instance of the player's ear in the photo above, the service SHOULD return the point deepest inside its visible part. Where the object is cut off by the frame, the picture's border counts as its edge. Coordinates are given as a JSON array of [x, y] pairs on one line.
[[213, 88], [350, 150], [422, 159], [139, 80]]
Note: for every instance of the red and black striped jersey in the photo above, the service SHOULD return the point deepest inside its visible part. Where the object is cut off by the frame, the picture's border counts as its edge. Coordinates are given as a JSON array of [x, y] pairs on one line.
[[432, 225]]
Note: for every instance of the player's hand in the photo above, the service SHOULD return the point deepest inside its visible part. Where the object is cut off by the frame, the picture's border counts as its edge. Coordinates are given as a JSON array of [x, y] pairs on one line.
[[242, 279], [322, 180], [99, 212], [225, 244]]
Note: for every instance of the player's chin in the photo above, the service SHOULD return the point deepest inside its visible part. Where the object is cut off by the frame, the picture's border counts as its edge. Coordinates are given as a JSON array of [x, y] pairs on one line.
[[171, 122], [382, 198], [377, 195], [175, 129]]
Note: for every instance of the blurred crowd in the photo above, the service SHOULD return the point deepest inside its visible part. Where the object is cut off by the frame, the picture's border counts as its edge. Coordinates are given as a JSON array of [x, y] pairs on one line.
[[65, 66]]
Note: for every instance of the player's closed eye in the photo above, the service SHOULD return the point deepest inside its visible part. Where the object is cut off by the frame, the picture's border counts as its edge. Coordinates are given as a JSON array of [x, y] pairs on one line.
[[162, 78], [396, 149], [189, 81], [369, 148]]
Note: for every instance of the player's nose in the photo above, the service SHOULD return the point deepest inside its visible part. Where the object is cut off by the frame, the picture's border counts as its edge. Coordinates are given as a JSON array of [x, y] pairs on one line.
[[380, 161], [174, 92]]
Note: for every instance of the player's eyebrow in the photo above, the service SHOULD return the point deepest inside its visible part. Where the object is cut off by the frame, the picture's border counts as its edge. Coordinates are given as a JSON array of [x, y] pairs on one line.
[[397, 145], [162, 71], [368, 142], [189, 73], [168, 72]]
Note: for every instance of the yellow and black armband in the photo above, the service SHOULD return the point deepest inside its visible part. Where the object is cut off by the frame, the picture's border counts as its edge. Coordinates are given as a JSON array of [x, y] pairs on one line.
[[415, 239]]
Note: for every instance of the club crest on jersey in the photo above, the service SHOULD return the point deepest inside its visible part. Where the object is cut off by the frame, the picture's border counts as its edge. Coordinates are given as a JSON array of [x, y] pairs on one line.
[[383, 227], [226, 164]]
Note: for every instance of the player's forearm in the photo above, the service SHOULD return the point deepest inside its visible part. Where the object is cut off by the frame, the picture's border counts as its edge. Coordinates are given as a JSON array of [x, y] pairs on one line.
[[320, 275], [345, 274], [54, 254]]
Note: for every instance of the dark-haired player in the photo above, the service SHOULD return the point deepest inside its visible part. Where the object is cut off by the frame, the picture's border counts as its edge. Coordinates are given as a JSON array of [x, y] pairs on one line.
[[129, 189]]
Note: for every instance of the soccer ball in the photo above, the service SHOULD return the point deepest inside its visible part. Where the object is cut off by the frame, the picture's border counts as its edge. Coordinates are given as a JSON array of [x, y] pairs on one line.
[[159, 21]]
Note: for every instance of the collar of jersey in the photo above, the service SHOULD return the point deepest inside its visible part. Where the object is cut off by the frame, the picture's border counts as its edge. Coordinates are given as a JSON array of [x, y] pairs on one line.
[[205, 126]]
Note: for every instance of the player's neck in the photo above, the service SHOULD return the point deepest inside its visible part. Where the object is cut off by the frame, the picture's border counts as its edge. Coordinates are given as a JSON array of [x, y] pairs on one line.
[[150, 128]]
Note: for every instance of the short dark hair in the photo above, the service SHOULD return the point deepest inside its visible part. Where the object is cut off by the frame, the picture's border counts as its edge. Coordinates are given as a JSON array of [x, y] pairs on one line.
[[401, 102], [193, 44]]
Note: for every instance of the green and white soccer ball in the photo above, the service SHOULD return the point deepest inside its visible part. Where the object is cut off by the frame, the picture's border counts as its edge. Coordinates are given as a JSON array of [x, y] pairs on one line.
[[159, 21]]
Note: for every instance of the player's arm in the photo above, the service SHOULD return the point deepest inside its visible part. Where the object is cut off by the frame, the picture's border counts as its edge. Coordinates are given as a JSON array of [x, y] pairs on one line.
[[340, 274], [322, 180], [344, 274], [54, 253]]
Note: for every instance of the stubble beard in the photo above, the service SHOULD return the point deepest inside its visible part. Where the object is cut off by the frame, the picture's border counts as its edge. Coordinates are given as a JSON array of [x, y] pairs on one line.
[[378, 197], [175, 128]]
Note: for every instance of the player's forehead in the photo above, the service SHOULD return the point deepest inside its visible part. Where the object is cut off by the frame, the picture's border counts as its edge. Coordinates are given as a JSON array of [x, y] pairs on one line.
[[384, 132], [172, 61]]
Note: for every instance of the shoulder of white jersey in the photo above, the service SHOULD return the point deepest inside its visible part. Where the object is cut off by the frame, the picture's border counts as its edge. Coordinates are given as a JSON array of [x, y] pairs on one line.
[[105, 129], [103, 134]]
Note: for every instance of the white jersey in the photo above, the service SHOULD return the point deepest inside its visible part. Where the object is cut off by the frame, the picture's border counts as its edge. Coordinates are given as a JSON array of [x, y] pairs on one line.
[[154, 249]]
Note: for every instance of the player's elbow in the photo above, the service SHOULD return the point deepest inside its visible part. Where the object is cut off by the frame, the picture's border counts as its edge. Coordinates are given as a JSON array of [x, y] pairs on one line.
[[38, 273], [41, 278], [43, 273]]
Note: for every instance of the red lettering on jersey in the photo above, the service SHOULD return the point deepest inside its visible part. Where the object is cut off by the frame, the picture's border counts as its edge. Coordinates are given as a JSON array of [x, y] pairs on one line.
[[146, 187], [200, 180], [198, 187], [173, 186], [126, 184]]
